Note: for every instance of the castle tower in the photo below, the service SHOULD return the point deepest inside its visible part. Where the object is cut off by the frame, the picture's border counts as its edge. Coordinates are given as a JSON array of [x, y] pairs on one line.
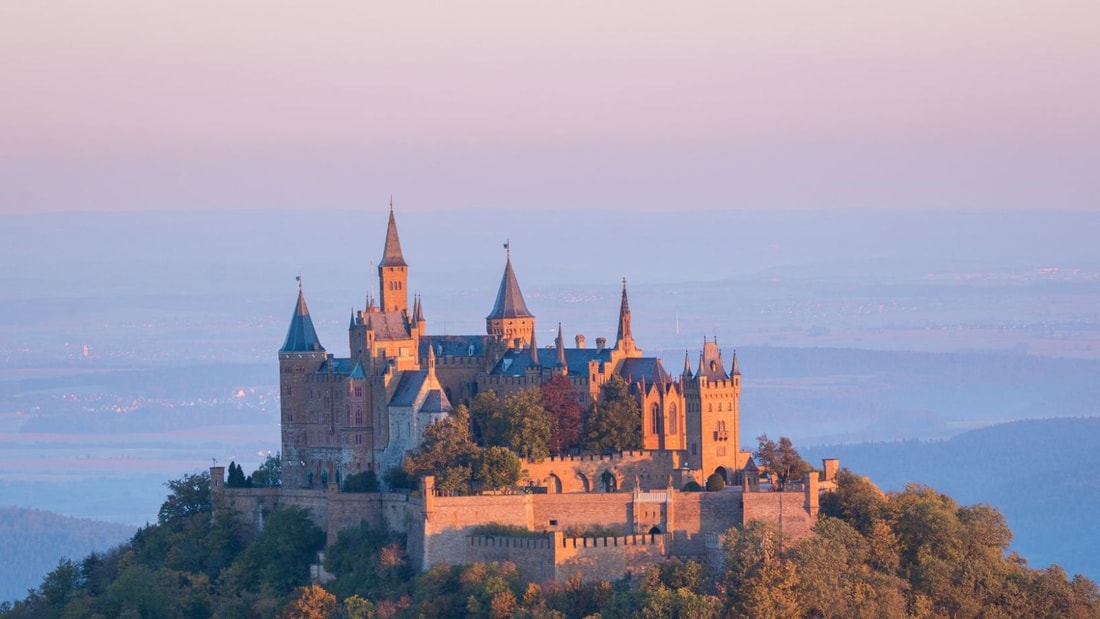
[[624, 340], [714, 423], [510, 319], [300, 356], [393, 272]]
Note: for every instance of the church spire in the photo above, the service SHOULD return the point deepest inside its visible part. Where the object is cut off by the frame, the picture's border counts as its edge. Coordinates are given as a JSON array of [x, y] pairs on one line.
[[391, 254], [687, 364], [625, 339], [301, 336]]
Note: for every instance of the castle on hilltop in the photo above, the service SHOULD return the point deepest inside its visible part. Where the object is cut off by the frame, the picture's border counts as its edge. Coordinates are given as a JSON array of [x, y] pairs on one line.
[[343, 416], [364, 412]]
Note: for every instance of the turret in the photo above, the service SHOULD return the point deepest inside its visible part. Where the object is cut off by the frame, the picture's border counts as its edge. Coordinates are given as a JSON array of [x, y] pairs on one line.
[[624, 340], [393, 272], [510, 319], [559, 342], [300, 356]]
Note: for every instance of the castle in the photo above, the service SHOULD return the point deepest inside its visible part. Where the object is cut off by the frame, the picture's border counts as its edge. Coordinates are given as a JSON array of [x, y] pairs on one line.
[[342, 416]]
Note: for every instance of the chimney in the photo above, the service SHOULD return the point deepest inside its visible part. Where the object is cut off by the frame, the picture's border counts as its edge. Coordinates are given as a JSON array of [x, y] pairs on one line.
[[580, 340], [601, 343]]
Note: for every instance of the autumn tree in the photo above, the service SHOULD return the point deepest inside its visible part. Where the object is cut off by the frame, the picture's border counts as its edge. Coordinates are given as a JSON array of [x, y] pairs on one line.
[[615, 423], [758, 581], [561, 401], [781, 460], [311, 602], [447, 452]]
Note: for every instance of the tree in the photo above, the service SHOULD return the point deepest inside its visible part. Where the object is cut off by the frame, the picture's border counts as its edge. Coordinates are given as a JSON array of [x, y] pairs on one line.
[[559, 398], [279, 559], [270, 473], [187, 496], [759, 583], [311, 602], [716, 482], [615, 424], [487, 420], [236, 478], [527, 424], [496, 467], [781, 460], [446, 452], [366, 481]]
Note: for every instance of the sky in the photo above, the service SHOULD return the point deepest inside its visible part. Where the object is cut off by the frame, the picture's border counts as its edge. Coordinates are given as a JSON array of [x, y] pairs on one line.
[[132, 105]]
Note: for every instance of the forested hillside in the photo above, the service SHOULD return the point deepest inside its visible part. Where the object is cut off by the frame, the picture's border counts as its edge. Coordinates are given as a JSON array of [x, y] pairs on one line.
[[32, 542], [1042, 474], [913, 553]]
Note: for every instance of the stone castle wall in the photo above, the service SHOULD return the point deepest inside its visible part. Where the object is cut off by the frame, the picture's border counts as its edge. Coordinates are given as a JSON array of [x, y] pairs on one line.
[[607, 558]]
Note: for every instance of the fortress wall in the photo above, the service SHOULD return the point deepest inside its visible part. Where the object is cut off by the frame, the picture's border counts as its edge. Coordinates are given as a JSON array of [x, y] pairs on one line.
[[785, 509], [607, 558], [609, 510], [449, 522], [651, 469], [533, 556], [695, 513]]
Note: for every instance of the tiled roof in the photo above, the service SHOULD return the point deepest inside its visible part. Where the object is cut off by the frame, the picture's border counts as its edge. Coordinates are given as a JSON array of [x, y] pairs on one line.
[[391, 256], [436, 402], [409, 387], [649, 369], [516, 362], [301, 336], [453, 345], [389, 325], [509, 303]]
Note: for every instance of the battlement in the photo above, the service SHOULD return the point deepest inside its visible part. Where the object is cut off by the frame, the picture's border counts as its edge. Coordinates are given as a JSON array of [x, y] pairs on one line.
[[639, 539], [541, 542]]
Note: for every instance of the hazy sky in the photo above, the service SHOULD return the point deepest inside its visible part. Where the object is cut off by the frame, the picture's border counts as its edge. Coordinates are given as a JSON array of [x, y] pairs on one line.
[[128, 105]]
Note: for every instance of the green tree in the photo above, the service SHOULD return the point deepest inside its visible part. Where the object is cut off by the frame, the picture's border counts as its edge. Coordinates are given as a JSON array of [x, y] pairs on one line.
[[278, 561], [487, 420], [716, 482], [446, 452], [560, 399], [236, 478], [366, 481], [757, 579], [781, 460], [527, 424], [615, 424], [496, 467], [187, 496], [368, 563], [270, 473]]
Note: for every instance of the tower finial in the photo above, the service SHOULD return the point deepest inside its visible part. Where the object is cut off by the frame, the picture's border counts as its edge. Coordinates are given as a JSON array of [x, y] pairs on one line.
[[508, 249], [298, 278]]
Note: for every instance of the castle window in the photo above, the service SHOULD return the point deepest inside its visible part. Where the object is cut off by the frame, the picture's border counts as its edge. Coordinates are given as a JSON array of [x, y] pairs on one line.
[[656, 419], [672, 429], [358, 392], [710, 408], [359, 414], [289, 390]]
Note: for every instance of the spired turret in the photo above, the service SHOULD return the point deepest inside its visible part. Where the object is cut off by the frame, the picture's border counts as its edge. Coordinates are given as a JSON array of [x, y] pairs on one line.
[[300, 356], [393, 272], [624, 339], [510, 320]]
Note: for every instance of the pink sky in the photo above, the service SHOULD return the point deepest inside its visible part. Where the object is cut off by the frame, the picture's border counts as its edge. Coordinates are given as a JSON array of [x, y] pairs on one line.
[[134, 105]]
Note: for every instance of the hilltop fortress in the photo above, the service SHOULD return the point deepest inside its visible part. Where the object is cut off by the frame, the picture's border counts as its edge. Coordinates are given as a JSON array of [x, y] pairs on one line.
[[343, 416]]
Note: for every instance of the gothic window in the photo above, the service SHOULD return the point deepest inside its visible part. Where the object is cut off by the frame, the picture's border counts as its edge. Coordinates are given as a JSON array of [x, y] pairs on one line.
[[672, 429], [358, 414], [358, 392], [656, 418]]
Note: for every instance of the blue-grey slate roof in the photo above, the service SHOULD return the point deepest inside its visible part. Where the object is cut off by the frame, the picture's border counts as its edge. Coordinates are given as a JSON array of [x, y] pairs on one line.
[[647, 368], [516, 362], [408, 388], [453, 345], [301, 336]]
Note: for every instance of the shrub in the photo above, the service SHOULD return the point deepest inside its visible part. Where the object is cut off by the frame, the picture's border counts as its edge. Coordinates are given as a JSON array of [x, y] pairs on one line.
[[715, 483]]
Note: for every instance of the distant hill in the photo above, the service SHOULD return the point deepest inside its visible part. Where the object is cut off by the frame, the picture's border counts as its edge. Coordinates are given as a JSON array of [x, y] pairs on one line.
[[32, 541], [1044, 475]]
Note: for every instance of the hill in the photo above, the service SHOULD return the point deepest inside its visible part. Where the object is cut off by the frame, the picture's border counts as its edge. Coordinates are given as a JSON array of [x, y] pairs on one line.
[[1040, 473], [32, 541]]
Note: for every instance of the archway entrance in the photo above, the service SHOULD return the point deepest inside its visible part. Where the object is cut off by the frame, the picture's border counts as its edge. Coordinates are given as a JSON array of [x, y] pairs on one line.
[[554, 484], [607, 482]]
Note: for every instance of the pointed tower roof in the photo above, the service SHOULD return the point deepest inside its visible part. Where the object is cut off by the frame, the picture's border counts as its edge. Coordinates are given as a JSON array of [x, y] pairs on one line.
[[560, 342], [301, 336], [418, 310], [391, 255], [687, 364], [534, 351], [624, 333], [510, 303], [736, 369]]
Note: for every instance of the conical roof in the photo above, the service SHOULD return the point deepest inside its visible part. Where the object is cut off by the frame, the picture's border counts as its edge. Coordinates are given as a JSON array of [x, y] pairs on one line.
[[510, 303], [391, 255], [301, 336], [624, 318]]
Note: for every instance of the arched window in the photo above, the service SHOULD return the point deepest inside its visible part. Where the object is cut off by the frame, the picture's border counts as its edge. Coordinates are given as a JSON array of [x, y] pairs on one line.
[[672, 429], [656, 418]]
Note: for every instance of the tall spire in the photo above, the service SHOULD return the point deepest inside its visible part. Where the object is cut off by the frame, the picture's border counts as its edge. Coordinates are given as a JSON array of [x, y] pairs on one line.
[[391, 255], [687, 364], [624, 339], [301, 336], [560, 342], [736, 369], [534, 351]]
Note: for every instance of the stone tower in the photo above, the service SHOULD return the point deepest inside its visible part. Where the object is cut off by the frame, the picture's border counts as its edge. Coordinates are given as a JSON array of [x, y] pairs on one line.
[[510, 319], [300, 356], [713, 399], [393, 272]]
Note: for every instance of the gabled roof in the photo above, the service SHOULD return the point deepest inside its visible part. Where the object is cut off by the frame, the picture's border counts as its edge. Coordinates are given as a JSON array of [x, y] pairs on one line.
[[391, 255], [453, 345], [301, 336], [389, 325], [436, 402], [516, 362], [408, 388], [510, 303], [649, 369]]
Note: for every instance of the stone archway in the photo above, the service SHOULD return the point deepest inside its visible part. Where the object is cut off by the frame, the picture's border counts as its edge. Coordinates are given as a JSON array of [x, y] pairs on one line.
[[654, 530], [553, 484], [722, 471], [586, 486], [608, 483]]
